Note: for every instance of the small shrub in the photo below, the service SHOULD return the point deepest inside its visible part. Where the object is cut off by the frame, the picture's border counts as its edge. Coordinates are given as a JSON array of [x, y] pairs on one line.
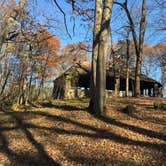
[[15, 107], [130, 109], [5, 105], [159, 105]]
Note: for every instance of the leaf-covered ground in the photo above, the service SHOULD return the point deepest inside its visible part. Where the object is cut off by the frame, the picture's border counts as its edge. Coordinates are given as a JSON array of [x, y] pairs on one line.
[[64, 133]]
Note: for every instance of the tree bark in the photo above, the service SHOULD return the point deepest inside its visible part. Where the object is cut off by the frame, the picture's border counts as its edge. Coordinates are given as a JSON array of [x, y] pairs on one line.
[[5, 82], [127, 80], [138, 44], [101, 59], [96, 34], [127, 63], [117, 85], [22, 93], [139, 56], [7, 25], [137, 77], [42, 78]]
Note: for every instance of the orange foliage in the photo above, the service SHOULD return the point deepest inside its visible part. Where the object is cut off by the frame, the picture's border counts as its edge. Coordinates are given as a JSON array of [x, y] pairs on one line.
[[47, 42], [160, 48], [49, 47]]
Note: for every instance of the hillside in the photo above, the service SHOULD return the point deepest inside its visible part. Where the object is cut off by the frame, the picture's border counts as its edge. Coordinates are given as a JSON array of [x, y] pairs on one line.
[[62, 132]]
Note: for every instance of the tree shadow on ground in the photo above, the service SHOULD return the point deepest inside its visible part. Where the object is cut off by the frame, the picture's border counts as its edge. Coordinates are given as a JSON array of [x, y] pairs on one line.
[[64, 107], [97, 133], [149, 119], [114, 122], [136, 129], [101, 133], [42, 158], [21, 159], [144, 118], [98, 157], [142, 105], [47, 105]]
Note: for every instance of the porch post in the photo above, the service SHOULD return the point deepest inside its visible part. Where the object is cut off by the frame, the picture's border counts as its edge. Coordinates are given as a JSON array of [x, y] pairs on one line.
[[149, 92]]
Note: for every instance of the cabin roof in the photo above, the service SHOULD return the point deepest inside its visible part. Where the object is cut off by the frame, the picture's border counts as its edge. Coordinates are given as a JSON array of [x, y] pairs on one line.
[[85, 69]]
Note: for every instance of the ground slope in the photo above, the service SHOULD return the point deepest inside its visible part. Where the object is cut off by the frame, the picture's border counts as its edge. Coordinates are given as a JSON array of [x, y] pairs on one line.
[[64, 133]]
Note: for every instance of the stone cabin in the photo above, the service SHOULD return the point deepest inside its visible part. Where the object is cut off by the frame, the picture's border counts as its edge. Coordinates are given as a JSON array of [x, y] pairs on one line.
[[75, 82]]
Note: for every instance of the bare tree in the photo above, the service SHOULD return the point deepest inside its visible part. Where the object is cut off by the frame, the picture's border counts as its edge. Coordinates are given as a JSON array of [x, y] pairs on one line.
[[96, 32], [100, 97], [138, 41]]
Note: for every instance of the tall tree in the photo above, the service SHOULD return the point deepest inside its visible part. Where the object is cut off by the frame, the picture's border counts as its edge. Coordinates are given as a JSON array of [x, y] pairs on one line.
[[96, 35], [103, 9], [160, 52], [138, 41], [127, 62], [47, 57], [100, 98], [9, 19]]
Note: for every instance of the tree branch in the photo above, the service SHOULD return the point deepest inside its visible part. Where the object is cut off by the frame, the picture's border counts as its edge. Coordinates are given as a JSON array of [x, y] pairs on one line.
[[64, 16], [124, 6]]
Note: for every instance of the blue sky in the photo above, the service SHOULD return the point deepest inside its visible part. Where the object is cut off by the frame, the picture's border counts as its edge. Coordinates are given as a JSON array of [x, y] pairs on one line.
[[44, 9]]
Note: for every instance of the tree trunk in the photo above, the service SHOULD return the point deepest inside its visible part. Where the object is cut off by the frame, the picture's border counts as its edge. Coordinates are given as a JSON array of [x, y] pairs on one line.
[[117, 85], [26, 94], [22, 94], [40, 88], [96, 34], [5, 82], [127, 81], [29, 87], [7, 25], [137, 77], [133, 87], [127, 63], [137, 44], [23, 98], [42, 78], [101, 59], [139, 56]]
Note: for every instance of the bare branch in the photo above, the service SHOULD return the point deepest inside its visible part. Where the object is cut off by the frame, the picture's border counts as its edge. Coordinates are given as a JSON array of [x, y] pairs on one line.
[[64, 16], [124, 6]]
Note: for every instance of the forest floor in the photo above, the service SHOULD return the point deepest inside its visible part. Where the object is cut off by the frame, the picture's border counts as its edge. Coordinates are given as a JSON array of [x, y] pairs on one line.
[[64, 133]]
